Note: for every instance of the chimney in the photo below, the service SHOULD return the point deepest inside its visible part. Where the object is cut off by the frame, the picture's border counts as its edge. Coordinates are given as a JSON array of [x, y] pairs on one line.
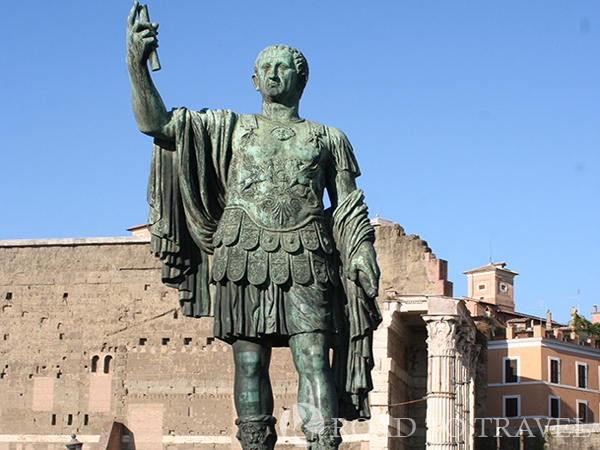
[[595, 315], [548, 320]]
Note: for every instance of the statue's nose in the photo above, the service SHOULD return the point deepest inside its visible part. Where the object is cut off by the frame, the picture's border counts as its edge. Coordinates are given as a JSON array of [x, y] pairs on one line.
[[273, 73]]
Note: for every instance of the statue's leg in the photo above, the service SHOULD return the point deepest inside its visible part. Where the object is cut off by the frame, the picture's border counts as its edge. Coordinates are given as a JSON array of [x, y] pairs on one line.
[[316, 389], [253, 396]]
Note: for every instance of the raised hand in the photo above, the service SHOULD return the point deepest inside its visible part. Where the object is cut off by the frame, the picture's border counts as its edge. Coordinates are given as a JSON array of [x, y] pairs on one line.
[[141, 36]]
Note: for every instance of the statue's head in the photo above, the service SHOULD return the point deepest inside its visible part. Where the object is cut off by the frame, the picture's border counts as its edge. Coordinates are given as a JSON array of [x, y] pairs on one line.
[[280, 65]]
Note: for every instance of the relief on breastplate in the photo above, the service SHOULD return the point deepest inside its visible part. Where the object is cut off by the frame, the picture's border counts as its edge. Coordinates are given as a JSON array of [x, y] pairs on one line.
[[278, 181]]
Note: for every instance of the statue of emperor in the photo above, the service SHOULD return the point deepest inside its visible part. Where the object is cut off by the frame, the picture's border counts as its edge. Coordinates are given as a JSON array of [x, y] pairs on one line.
[[238, 220]]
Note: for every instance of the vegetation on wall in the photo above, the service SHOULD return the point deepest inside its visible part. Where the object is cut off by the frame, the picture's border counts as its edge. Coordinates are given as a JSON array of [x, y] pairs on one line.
[[490, 327], [582, 325]]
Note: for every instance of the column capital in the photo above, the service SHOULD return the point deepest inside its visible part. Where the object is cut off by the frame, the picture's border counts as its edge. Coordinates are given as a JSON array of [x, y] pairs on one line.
[[442, 333]]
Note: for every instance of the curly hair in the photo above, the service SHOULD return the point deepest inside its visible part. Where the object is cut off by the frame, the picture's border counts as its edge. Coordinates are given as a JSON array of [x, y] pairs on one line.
[[299, 61]]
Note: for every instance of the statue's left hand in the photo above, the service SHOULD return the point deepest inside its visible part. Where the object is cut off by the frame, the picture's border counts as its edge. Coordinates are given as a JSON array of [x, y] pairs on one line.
[[363, 268]]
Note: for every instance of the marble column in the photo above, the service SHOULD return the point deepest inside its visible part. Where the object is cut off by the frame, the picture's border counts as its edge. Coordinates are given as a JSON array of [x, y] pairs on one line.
[[464, 376], [473, 358], [442, 343]]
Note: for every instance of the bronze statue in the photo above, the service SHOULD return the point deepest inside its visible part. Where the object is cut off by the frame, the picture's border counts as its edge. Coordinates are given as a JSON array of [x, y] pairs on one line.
[[236, 200]]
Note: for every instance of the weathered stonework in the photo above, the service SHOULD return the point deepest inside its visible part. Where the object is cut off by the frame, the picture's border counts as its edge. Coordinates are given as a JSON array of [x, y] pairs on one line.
[[407, 264], [89, 335]]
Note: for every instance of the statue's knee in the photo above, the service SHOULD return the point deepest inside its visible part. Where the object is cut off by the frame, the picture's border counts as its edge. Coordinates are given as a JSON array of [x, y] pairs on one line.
[[317, 359], [311, 353], [249, 364]]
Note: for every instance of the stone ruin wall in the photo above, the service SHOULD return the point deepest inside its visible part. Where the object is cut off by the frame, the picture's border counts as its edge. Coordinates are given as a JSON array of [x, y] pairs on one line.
[[71, 310], [407, 264]]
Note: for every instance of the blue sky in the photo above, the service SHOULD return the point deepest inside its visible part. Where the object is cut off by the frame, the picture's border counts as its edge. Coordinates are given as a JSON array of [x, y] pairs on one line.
[[476, 123]]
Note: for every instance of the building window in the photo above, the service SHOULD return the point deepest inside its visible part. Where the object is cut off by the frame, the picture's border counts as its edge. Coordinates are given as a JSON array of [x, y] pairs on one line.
[[511, 406], [554, 370], [554, 406], [95, 360], [582, 378], [582, 411], [481, 287], [511, 369], [107, 361]]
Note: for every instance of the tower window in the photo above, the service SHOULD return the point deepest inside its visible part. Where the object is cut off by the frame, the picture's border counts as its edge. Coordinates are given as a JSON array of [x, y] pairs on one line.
[[481, 287]]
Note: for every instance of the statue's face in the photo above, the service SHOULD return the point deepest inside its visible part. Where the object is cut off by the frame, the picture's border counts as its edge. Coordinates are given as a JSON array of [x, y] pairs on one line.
[[276, 77]]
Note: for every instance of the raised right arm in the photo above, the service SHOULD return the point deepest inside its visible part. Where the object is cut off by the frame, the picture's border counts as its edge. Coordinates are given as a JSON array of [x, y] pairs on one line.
[[148, 108]]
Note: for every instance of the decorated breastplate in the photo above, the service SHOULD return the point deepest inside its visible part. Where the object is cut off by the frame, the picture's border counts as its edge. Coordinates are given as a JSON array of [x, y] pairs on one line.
[[277, 172], [273, 227]]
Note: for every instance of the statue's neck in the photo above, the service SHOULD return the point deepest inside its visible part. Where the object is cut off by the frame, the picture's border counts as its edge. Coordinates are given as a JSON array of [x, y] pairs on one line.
[[280, 112]]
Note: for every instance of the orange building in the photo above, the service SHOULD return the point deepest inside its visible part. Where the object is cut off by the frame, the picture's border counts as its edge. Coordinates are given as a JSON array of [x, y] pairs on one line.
[[536, 368]]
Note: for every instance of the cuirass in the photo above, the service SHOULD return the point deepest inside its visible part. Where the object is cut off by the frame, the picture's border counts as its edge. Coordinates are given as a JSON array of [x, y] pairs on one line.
[[273, 226], [277, 172]]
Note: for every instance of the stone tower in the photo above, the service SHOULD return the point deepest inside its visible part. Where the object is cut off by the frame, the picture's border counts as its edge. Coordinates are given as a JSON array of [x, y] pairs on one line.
[[492, 283]]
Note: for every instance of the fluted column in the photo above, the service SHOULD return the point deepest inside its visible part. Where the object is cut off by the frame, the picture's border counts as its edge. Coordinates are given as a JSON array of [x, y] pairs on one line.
[[461, 401], [473, 357], [441, 394], [464, 403]]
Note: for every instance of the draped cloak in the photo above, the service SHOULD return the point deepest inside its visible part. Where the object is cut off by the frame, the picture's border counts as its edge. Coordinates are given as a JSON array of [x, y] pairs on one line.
[[187, 195]]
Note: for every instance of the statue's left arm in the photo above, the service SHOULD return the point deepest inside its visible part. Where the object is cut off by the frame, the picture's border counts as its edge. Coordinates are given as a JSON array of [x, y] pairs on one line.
[[354, 237], [362, 265]]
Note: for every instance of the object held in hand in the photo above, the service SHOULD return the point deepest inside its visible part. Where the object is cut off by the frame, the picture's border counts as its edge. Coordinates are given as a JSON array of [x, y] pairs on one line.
[[153, 57]]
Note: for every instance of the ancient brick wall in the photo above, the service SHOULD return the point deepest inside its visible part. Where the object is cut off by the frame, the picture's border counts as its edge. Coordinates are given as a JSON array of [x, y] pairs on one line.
[[89, 334]]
